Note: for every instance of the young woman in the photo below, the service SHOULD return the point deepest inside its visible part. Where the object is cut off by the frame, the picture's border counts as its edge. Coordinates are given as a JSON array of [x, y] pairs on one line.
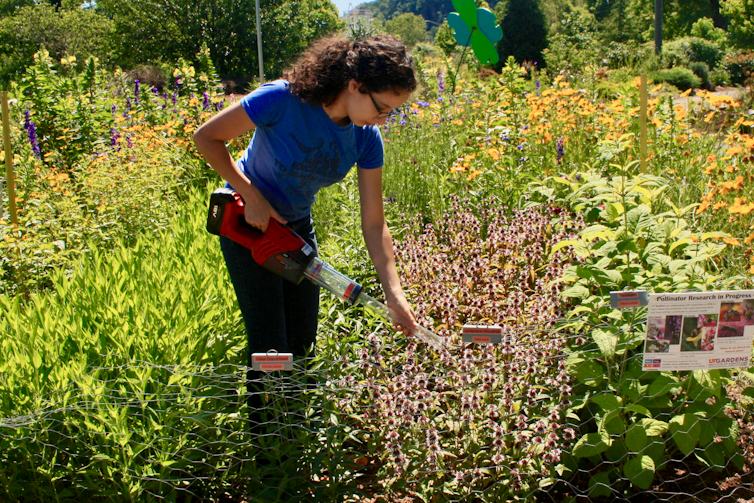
[[310, 129]]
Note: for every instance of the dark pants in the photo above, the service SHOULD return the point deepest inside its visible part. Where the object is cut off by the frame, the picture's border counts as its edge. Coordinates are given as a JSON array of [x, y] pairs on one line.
[[278, 314]]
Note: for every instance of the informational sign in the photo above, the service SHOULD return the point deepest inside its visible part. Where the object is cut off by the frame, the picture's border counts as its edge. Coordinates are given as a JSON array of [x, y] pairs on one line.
[[482, 333], [699, 331], [272, 361]]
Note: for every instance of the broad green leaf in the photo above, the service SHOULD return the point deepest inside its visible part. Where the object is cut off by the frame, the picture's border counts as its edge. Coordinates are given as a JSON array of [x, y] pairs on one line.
[[562, 244], [612, 423], [599, 485], [608, 401], [685, 430], [709, 379], [576, 292], [636, 437], [639, 410], [654, 427], [585, 369], [606, 342], [662, 385], [640, 470], [591, 444], [678, 243]]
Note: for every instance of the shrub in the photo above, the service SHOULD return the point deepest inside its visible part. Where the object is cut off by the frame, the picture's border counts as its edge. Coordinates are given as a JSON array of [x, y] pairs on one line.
[[739, 66], [705, 28], [682, 78], [685, 50], [701, 70], [621, 55], [719, 77]]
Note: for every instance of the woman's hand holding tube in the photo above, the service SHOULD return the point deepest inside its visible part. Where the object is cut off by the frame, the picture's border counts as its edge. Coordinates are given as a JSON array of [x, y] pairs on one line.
[[403, 316]]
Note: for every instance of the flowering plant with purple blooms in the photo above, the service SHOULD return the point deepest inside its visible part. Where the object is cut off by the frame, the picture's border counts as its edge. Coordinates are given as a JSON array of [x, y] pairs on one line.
[[469, 417], [31, 132], [91, 160]]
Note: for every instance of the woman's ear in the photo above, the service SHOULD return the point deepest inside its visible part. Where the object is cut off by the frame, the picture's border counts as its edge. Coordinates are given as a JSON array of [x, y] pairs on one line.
[[353, 86]]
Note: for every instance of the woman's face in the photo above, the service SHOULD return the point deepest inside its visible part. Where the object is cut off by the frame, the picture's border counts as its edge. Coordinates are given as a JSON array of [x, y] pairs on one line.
[[369, 108]]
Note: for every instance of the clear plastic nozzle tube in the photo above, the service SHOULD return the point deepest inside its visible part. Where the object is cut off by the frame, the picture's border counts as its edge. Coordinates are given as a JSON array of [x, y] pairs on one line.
[[321, 273]]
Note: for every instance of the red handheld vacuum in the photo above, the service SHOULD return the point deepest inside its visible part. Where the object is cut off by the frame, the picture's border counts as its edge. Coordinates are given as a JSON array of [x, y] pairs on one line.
[[285, 253]]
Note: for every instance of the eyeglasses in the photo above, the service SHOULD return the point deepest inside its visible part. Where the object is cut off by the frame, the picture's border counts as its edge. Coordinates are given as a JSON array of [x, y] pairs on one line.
[[380, 113]]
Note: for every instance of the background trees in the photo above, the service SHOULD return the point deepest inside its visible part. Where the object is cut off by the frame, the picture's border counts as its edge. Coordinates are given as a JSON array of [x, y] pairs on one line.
[[152, 31], [558, 34], [25, 27], [524, 31], [410, 28]]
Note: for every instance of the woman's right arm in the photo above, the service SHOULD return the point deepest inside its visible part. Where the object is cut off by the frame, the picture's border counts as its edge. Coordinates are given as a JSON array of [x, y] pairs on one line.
[[210, 140]]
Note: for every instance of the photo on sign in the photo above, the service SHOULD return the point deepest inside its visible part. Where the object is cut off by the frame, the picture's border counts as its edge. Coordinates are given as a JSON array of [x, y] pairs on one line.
[[734, 316], [699, 333], [673, 328], [657, 337]]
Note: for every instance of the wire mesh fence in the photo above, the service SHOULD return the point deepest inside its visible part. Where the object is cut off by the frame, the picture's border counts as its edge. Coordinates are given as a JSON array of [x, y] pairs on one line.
[[390, 420]]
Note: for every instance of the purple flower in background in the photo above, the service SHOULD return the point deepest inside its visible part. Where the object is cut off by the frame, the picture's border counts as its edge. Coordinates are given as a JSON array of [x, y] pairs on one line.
[[539, 86], [175, 98], [114, 135], [440, 83], [155, 91], [136, 91], [128, 106], [560, 150], [422, 103], [178, 83], [220, 105], [31, 131], [112, 110], [129, 141], [205, 104]]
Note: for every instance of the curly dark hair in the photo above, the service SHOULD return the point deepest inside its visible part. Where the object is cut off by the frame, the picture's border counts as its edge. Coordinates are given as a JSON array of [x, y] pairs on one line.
[[379, 63]]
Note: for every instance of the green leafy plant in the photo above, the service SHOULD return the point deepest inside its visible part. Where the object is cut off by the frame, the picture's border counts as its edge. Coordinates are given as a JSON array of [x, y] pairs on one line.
[[633, 423]]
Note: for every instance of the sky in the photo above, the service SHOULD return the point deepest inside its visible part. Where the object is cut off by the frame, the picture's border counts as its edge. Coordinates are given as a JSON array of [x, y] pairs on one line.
[[342, 5]]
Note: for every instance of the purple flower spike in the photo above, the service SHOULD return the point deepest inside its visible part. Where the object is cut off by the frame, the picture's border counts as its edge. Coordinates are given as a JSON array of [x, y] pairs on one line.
[[114, 135], [560, 150], [31, 131]]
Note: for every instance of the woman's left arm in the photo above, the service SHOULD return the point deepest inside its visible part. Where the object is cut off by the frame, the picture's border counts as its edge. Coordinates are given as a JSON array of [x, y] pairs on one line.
[[380, 246]]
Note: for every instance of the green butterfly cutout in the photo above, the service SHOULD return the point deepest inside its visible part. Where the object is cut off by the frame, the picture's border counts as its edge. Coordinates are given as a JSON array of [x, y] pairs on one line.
[[476, 28]]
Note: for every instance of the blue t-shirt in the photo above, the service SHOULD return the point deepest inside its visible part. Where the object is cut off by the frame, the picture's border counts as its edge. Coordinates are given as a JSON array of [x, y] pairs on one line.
[[297, 149]]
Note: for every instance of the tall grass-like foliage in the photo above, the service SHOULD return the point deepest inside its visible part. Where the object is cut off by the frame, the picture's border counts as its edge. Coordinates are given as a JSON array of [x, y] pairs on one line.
[[126, 382]]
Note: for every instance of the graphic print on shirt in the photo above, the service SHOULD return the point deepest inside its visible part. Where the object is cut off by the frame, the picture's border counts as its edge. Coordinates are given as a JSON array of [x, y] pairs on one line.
[[319, 167]]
